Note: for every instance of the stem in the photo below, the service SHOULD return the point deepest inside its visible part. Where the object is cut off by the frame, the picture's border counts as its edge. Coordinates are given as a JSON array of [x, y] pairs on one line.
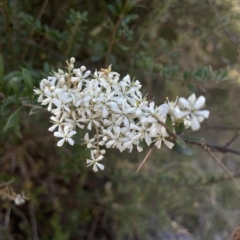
[[222, 165], [150, 25], [145, 159], [73, 33], [33, 106], [222, 149], [32, 31], [121, 16]]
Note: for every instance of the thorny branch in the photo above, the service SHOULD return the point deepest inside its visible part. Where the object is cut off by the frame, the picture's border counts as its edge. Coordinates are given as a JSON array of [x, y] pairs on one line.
[[221, 149]]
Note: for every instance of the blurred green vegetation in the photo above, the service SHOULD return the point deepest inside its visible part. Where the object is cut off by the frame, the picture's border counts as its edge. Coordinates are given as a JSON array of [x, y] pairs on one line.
[[174, 48]]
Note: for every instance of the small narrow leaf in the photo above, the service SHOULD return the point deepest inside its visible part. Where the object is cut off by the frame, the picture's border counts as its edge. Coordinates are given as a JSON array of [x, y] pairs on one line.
[[96, 58], [112, 9], [15, 100], [35, 111], [191, 88], [27, 79], [169, 122], [1, 70], [179, 128], [182, 147], [13, 120], [195, 138]]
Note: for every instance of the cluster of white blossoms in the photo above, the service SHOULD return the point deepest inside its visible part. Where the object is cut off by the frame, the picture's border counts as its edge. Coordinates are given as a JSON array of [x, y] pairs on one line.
[[113, 111]]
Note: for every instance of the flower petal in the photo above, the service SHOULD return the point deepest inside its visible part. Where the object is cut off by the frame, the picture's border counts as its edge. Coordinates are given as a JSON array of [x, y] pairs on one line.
[[70, 141], [194, 123], [60, 143], [101, 166], [200, 102], [58, 134], [168, 143], [202, 113], [183, 103], [158, 144]]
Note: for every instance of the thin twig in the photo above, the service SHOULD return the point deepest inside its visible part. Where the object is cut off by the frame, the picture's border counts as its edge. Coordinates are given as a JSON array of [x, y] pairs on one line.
[[32, 31], [114, 32], [6, 183], [7, 217], [94, 224], [224, 168], [222, 149], [173, 134], [33, 221], [191, 131], [33, 106], [144, 160], [218, 148], [40, 46], [234, 41], [233, 139]]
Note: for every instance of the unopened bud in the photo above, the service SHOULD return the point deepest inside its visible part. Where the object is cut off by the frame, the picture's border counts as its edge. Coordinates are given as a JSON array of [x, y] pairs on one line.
[[103, 151], [105, 138], [89, 145], [72, 60], [101, 143], [83, 68], [60, 71]]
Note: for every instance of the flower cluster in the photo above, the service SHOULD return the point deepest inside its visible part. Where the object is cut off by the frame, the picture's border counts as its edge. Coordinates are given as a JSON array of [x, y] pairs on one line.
[[114, 109]]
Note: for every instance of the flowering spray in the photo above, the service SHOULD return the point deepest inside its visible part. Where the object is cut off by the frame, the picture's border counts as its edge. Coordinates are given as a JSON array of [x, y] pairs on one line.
[[115, 108]]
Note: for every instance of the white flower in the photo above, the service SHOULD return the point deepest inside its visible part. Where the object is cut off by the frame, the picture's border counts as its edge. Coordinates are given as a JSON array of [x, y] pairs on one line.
[[95, 162], [115, 139], [65, 135], [160, 133], [192, 106], [87, 141], [143, 133], [61, 102], [56, 121], [19, 199], [72, 121]]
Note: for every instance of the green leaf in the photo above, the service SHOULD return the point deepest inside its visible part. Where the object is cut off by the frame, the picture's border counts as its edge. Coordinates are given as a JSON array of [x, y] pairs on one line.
[[27, 79], [46, 67], [35, 111], [13, 120], [9, 76], [169, 122], [15, 100], [191, 88], [112, 9], [179, 128], [1, 70], [182, 147], [5, 110], [96, 58], [195, 138]]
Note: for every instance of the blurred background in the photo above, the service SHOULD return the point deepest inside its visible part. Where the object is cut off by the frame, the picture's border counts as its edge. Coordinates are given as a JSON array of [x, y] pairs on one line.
[[174, 48]]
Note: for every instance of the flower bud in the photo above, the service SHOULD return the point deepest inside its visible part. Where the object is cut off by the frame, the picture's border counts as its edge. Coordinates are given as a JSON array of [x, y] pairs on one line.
[[101, 143], [103, 151], [72, 60], [89, 145], [60, 71], [83, 68], [105, 138]]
